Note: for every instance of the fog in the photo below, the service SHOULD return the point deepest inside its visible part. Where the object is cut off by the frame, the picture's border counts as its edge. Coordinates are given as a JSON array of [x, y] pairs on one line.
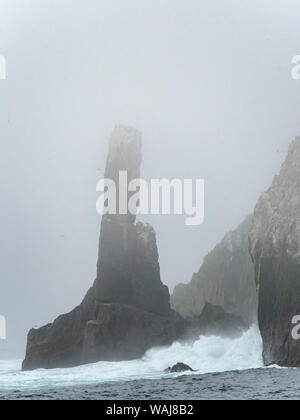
[[208, 82]]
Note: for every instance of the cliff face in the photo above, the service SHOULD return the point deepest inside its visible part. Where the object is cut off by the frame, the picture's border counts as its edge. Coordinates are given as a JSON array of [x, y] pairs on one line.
[[225, 280], [127, 311], [275, 249]]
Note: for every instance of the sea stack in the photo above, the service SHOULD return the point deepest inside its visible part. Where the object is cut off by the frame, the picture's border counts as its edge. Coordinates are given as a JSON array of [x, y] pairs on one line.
[[127, 310], [275, 249]]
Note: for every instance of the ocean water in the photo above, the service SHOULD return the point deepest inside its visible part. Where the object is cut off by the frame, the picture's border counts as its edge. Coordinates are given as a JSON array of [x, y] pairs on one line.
[[230, 365]]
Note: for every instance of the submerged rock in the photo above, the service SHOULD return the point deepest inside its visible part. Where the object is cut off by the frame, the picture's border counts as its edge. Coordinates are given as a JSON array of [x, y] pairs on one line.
[[275, 249], [127, 311], [178, 368]]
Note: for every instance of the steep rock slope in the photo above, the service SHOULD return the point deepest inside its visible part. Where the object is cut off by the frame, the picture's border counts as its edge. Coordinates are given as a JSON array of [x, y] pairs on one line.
[[225, 280], [275, 249]]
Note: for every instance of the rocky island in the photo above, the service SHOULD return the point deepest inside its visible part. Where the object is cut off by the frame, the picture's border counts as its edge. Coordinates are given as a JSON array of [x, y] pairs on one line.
[[127, 310], [275, 249]]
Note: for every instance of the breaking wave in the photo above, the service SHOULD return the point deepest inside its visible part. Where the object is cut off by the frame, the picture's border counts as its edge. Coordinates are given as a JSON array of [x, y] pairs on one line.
[[207, 355]]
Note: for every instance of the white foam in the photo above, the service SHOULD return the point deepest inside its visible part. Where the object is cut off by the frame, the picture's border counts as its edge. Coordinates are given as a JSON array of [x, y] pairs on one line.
[[208, 354]]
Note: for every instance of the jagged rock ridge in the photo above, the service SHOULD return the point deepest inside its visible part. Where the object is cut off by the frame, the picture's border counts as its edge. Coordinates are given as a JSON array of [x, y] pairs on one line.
[[127, 311], [275, 249], [225, 280]]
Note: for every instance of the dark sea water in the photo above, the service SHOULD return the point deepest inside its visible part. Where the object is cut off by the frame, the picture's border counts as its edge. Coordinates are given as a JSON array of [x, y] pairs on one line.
[[255, 384]]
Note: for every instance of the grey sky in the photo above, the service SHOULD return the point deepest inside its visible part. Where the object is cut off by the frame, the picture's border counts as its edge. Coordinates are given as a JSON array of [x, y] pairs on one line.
[[208, 82]]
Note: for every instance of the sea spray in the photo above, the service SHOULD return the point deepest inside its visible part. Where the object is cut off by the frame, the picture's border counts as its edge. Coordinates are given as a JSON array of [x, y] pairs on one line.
[[208, 354]]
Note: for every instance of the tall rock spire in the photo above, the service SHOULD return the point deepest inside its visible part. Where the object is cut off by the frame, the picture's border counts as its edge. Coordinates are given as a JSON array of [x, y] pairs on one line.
[[124, 154], [128, 269]]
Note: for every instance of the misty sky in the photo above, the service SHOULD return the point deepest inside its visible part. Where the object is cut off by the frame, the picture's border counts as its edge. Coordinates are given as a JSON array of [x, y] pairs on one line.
[[208, 82]]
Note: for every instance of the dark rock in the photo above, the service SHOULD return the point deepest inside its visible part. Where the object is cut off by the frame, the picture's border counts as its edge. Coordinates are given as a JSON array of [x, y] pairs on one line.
[[123, 332], [127, 311], [275, 248], [128, 268], [225, 280], [178, 368]]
